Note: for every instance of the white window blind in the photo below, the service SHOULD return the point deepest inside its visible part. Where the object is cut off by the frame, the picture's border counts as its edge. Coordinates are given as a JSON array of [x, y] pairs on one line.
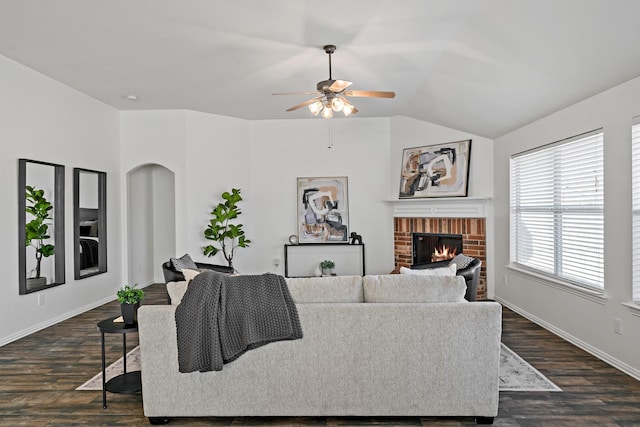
[[635, 177], [557, 210]]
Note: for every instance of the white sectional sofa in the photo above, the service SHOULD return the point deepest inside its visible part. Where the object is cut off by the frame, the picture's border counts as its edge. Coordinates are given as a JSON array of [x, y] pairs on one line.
[[389, 345]]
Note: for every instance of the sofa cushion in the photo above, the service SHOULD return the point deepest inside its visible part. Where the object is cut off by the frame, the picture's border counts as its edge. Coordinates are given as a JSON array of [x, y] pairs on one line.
[[450, 270], [336, 289], [408, 288], [184, 261]]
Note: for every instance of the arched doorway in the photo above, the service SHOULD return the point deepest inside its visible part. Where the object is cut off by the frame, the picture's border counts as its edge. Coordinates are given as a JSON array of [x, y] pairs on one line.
[[151, 222]]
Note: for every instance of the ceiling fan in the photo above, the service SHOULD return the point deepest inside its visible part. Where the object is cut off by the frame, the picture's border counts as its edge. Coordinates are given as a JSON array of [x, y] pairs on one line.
[[332, 95]]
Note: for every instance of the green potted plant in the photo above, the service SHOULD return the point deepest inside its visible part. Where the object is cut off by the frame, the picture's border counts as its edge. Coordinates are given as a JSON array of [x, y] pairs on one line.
[[221, 230], [327, 266], [37, 231], [129, 298]]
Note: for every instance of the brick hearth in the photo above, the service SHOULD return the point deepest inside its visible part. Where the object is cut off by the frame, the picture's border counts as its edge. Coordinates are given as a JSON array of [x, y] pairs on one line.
[[473, 232]]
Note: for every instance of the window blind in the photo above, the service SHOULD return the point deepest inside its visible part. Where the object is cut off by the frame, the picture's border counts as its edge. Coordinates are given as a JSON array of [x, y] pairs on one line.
[[635, 185], [557, 210]]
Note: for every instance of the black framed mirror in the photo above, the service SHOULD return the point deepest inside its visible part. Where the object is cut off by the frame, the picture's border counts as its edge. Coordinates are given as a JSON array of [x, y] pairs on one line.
[[41, 225], [89, 222]]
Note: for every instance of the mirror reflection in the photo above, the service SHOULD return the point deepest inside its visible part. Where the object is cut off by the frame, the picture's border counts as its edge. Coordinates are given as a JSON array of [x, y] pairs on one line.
[[90, 222], [41, 225]]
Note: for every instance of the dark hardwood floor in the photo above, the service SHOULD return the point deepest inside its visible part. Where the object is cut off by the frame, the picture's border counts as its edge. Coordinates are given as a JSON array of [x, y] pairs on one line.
[[39, 374]]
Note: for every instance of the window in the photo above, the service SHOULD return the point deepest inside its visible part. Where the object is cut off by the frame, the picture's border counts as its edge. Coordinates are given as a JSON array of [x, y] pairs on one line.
[[635, 174], [557, 210]]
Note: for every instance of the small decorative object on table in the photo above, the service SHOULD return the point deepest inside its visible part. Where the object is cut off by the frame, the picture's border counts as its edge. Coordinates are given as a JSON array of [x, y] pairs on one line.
[[327, 266], [129, 298], [293, 239], [356, 239]]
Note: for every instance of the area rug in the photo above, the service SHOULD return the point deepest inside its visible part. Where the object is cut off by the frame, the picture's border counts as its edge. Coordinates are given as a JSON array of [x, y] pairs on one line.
[[515, 373]]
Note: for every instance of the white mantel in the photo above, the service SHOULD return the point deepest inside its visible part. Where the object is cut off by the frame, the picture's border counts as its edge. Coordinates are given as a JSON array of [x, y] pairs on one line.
[[442, 207]]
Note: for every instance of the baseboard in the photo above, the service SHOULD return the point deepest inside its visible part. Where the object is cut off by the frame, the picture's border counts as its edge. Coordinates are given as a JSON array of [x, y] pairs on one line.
[[50, 322], [618, 364]]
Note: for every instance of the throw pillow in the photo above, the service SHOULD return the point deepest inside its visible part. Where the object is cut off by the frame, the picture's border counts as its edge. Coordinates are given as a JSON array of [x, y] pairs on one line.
[[409, 288], [338, 289], [176, 291], [461, 261], [184, 261], [444, 271], [189, 274]]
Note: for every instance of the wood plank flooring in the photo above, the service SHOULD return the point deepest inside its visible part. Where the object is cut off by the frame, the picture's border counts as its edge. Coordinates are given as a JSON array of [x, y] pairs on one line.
[[39, 374]]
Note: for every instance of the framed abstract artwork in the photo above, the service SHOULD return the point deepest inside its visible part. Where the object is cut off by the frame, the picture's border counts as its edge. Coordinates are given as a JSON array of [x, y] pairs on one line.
[[440, 170], [323, 210]]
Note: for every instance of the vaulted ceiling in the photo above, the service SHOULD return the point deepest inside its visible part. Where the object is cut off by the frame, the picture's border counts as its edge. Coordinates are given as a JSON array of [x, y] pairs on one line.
[[482, 66]]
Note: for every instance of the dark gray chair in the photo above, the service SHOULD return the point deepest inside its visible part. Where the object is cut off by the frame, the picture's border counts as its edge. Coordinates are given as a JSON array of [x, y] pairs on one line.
[[471, 275]]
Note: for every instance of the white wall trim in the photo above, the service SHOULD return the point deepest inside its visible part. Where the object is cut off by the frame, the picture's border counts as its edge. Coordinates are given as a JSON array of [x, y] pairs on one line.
[[627, 369], [445, 207], [50, 322]]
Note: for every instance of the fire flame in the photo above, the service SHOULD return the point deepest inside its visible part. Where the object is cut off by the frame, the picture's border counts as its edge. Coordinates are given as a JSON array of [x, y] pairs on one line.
[[443, 254]]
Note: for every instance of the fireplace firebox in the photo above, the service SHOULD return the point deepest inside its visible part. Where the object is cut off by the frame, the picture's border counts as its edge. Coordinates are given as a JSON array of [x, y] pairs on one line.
[[435, 249]]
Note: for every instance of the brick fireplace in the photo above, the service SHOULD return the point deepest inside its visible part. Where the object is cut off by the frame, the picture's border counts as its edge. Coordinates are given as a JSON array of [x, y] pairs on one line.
[[473, 231]]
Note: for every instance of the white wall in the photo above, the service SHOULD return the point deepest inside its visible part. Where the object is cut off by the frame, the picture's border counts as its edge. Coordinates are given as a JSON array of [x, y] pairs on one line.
[[283, 150], [153, 138], [583, 321], [164, 218], [210, 154], [206, 153], [41, 119], [218, 159], [140, 229]]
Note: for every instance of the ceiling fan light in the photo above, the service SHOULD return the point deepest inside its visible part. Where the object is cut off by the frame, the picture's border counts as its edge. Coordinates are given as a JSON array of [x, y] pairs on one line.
[[315, 107], [327, 112], [347, 109], [337, 104]]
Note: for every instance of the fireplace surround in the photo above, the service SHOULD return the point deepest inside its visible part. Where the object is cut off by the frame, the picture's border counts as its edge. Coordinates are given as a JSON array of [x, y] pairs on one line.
[[472, 230]]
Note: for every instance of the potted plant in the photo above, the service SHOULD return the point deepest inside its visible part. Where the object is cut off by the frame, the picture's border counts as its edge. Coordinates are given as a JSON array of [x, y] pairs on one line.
[[327, 266], [37, 231], [129, 298], [228, 236]]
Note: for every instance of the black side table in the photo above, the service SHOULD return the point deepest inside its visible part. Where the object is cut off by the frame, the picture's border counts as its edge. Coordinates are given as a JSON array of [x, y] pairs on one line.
[[127, 382]]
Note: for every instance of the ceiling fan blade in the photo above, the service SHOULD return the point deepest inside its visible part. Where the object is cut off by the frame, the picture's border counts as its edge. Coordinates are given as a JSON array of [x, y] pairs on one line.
[[339, 85], [315, 92], [304, 104], [370, 93]]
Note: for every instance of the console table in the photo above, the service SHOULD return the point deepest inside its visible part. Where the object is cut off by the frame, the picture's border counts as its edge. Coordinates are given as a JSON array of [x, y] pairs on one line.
[[307, 246], [127, 382]]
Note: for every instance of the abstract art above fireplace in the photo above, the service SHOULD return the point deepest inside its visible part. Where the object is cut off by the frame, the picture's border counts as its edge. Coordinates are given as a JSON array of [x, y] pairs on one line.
[[440, 170]]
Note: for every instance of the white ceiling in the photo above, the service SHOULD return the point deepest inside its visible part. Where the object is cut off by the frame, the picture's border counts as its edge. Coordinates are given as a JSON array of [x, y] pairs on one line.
[[482, 66]]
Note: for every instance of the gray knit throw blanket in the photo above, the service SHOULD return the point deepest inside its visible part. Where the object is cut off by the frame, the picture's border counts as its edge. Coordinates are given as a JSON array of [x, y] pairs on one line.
[[221, 317]]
